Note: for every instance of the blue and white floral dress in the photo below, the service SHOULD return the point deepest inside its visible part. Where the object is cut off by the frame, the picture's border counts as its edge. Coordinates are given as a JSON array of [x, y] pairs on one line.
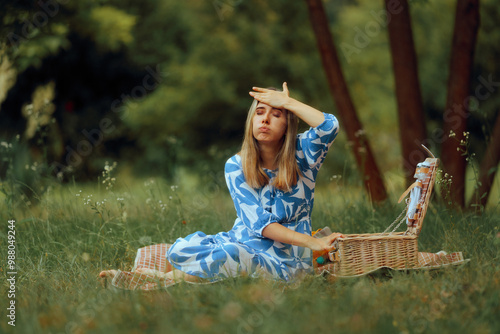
[[244, 249]]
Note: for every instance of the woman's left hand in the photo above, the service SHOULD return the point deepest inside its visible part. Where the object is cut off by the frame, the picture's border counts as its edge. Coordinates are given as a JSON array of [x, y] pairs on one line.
[[273, 98]]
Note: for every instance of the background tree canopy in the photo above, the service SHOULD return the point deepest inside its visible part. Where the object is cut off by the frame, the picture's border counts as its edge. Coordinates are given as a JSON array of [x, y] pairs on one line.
[[163, 84]]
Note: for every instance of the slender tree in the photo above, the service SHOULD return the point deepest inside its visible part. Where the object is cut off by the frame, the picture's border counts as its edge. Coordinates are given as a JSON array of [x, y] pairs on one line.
[[412, 129], [487, 170], [345, 107], [457, 104]]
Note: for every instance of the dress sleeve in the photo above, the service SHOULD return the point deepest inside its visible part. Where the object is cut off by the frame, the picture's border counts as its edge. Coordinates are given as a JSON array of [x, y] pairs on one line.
[[313, 144], [246, 199]]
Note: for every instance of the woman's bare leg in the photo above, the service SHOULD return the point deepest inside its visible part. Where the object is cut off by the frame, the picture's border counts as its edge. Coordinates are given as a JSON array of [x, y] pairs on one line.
[[179, 276], [174, 275]]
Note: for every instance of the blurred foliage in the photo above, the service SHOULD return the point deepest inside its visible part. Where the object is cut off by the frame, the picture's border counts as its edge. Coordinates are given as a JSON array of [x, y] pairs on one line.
[[172, 78], [113, 27]]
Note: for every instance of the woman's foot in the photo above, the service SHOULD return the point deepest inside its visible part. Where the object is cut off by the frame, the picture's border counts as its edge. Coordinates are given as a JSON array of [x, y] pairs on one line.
[[107, 273]]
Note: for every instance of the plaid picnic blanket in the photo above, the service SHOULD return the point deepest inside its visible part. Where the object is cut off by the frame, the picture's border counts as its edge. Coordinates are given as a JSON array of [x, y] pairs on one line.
[[154, 257], [439, 259], [425, 261], [149, 257]]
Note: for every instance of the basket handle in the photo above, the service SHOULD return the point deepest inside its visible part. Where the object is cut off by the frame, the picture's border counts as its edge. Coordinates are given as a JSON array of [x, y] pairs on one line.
[[428, 151]]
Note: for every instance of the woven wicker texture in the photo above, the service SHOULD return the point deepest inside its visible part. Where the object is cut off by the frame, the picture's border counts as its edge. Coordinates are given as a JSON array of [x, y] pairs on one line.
[[358, 254]]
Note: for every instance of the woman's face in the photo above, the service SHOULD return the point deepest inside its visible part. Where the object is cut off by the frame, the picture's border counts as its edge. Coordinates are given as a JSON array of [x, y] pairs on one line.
[[269, 124]]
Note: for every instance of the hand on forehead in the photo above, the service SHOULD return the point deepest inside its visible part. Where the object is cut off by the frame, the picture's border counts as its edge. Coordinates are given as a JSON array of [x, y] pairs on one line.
[[266, 106]]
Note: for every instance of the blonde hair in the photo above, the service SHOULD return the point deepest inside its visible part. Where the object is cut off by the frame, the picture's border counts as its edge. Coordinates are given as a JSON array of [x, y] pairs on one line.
[[288, 170]]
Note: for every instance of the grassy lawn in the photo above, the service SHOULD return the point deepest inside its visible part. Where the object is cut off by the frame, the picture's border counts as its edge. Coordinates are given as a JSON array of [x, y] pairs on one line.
[[75, 231]]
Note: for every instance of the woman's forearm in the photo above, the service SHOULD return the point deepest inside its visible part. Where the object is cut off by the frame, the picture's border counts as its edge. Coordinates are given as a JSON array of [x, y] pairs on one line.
[[313, 117], [278, 232]]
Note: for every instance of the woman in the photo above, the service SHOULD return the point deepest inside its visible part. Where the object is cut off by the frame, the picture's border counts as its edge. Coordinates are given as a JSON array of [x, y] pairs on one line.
[[271, 181]]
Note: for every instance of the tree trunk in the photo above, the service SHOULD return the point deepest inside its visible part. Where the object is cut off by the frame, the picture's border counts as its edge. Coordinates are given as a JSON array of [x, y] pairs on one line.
[[487, 170], [409, 98], [457, 104], [345, 107]]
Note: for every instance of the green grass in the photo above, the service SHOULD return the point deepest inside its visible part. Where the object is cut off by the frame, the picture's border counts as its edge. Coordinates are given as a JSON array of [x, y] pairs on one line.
[[62, 245]]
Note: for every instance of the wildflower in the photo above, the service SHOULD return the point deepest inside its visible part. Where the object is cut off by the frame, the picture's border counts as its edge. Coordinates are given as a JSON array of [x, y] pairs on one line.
[[87, 200], [359, 133], [108, 180], [29, 109], [149, 182], [452, 134]]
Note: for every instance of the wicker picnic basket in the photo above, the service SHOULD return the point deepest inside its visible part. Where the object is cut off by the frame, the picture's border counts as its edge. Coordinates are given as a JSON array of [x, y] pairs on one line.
[[359, 254]]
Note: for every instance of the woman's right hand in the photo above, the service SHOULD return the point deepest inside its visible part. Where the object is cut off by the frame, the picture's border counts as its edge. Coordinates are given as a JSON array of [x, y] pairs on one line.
[[325, 244]]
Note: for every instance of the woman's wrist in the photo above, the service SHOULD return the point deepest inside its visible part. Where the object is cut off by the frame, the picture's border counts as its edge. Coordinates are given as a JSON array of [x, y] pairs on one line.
[[290, 104], [311, 242]]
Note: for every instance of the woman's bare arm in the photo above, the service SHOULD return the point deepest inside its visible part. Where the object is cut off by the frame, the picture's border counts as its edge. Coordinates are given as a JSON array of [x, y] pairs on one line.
[[313, 117], [278, 232]]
